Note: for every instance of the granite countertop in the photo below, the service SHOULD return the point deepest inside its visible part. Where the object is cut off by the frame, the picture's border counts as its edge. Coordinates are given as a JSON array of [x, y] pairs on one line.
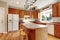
[[38, 24], [33, 25]]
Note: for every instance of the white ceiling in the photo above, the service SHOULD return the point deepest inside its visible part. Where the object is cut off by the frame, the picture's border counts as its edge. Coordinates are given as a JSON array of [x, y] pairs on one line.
[[43, 3], [20, 3], [16, 3]]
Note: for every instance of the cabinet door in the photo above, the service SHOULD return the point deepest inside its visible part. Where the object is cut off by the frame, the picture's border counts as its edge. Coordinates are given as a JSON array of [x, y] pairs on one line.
[[13, 11], [31, 34], [15, 22], [58, 9], [57, 30], [2, 26], [35, 14], [54, 10], [21, 14]]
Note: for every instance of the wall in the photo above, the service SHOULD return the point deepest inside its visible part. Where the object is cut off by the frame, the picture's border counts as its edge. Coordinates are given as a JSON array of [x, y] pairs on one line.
[[56, 19]]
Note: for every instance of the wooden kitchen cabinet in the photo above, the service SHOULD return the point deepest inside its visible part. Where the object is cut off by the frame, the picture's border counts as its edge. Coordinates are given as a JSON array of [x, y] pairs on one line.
[[31, 34], [35, 14], [57, 30], [32, 14], [13, 11], [55, 10], [21, 13], [58, 9]]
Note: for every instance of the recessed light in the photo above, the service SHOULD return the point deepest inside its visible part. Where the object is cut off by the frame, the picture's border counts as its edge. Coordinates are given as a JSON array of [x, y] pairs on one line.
[[17, 2]]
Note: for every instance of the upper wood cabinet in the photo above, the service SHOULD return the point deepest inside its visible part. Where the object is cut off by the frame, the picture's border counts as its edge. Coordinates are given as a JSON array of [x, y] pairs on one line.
[[58, 9], [35, 14], [54, 10], [21, 14], [13, 11], [32, 14]]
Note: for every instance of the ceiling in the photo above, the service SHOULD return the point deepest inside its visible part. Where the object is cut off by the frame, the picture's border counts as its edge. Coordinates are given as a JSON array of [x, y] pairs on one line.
[[15, 3], [43, 3], [20, 3]]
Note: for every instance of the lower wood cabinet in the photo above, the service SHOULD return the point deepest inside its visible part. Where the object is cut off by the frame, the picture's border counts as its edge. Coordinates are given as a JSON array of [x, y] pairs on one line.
[[54, 29], [57, 30], [31, 34]]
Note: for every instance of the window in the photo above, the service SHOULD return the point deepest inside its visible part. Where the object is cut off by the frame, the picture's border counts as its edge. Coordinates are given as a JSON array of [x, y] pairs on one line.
[[46, 16]]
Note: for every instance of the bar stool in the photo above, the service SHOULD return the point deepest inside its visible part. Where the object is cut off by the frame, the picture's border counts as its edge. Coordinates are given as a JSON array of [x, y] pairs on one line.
[[23, 35]]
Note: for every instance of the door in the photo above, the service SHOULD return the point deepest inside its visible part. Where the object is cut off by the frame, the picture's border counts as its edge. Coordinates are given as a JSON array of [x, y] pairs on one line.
[[3, 17], [2, 26]]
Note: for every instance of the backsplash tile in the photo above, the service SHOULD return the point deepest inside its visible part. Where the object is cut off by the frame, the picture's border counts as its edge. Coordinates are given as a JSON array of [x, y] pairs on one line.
[[56, 19]]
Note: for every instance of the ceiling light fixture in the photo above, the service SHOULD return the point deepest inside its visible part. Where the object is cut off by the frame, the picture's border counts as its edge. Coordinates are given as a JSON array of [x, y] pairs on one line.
[[29, 3]]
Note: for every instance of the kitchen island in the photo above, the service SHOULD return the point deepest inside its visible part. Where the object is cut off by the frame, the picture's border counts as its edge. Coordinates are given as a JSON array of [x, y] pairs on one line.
[[35, 31]]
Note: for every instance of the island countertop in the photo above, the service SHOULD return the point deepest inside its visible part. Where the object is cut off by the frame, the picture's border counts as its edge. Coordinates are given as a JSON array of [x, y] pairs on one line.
[[30, 25]]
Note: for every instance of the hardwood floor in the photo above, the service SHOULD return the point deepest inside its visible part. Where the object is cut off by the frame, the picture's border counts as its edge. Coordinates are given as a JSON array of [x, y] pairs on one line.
[[16, 36], [10, 36], [52, 38]]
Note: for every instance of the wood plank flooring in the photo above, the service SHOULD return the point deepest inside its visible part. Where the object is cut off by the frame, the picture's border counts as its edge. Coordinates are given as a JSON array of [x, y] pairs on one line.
[[10, 36], [52, 38], [16, 36]]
